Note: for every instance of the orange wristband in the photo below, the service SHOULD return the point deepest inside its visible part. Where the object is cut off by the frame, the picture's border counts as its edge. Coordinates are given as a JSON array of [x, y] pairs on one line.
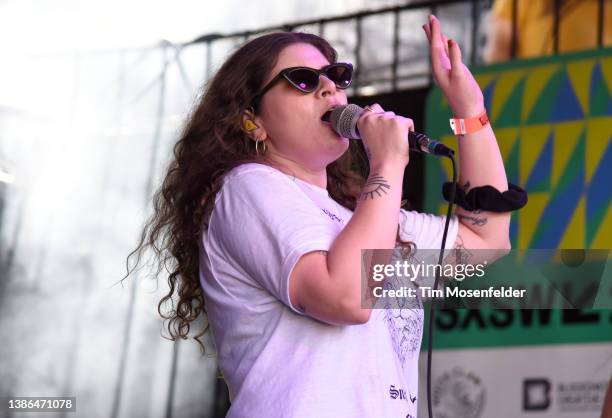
[[469, 125]]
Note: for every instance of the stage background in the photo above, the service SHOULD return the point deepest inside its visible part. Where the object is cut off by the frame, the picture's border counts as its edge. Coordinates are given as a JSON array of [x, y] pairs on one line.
[[553, 121]]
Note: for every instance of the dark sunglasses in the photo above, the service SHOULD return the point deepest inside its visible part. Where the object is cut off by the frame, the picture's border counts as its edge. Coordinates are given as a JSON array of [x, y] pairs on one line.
[[306, 79]]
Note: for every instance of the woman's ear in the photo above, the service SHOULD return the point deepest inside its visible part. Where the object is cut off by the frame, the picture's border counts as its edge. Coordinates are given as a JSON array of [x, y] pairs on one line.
[[252, 125]]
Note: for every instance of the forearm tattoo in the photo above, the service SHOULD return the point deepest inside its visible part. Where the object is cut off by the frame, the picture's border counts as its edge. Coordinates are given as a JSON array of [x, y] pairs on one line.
[[376, 185]]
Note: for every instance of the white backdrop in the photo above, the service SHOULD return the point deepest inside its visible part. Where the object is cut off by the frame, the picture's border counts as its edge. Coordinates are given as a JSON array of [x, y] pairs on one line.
[[90, 105]]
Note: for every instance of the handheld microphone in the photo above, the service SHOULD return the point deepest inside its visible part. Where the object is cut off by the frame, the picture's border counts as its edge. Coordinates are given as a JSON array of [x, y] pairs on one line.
[[344, 121]]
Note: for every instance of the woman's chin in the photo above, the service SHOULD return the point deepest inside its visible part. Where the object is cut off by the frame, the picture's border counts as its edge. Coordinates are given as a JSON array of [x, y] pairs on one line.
[[342, 145]]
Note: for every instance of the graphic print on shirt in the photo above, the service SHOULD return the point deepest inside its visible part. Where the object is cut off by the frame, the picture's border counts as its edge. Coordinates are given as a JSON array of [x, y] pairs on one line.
[[321, 201], [404, 321], [333, 216], [406, 329], [397, 393]]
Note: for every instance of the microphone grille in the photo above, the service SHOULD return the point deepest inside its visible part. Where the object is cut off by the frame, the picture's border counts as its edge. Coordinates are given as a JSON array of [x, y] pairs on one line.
[[344, 120]]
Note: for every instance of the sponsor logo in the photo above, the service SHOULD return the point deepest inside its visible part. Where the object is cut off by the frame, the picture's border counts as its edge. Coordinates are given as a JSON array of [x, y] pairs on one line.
[[536, 394], [581, 396], [571, 397], [458, 394]]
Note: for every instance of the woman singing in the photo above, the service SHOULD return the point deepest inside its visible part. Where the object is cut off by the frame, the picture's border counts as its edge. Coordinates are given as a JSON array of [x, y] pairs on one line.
[[263, 222]]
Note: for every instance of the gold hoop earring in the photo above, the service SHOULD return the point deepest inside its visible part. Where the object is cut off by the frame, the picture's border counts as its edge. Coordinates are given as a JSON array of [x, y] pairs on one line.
[[257, 141]]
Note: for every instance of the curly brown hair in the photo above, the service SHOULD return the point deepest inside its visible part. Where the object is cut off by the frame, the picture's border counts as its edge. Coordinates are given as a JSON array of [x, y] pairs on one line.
[[211, 144]]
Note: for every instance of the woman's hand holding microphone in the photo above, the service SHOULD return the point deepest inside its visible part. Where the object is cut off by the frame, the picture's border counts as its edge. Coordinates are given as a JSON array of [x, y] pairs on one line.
[[385, 137]]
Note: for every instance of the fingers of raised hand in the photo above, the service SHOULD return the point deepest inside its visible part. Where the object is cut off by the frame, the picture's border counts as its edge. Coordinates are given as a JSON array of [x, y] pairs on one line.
[[427, 28], [438, 48], [446, 45], [435, 31], [454, 53]]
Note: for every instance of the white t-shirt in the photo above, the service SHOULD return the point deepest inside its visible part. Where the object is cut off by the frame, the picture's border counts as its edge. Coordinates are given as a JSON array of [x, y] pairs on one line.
[[278, 362]]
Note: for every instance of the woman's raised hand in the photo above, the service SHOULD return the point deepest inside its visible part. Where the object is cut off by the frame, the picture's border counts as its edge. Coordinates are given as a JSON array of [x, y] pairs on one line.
[[385, 136], [452, 76]]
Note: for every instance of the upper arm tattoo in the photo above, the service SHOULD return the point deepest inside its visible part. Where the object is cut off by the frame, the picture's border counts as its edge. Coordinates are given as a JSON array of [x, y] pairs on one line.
[[376, 184], [475, 220], [459, 254]]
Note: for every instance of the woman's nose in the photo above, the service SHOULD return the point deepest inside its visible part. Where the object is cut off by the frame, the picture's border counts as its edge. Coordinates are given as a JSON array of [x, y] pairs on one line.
[[326, 86]]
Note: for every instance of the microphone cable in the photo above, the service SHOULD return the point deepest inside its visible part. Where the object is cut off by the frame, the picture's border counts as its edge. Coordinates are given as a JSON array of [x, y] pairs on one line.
[[432, 311]]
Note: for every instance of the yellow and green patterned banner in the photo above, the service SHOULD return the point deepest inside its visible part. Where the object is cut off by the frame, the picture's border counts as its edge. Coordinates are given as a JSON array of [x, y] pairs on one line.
[[553, 121]]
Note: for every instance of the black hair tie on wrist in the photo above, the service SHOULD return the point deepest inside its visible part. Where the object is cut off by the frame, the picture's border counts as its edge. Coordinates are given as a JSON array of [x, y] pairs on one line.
[[487, 198]]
